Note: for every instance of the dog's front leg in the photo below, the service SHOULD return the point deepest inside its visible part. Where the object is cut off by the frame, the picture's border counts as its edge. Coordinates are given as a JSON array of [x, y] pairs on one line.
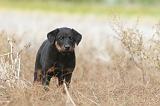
[[46, 77], [60, 78], [68, 79]]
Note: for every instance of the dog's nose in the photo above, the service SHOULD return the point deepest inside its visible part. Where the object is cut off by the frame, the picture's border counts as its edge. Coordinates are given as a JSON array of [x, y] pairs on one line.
[[67, 47]]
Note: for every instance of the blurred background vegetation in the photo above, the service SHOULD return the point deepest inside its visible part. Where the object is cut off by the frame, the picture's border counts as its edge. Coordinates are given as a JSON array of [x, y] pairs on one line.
[[96, 1], [102, 7], [106, 1]]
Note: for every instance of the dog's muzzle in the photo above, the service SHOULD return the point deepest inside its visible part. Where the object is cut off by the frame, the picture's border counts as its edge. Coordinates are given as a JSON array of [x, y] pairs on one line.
[[64, 48], [67, 47]]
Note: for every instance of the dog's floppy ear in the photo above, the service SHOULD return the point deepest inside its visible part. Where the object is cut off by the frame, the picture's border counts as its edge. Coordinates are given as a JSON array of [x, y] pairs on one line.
[[52, 35], [77, 36]]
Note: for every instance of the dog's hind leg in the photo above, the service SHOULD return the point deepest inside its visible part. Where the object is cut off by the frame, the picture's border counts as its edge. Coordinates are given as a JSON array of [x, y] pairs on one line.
[[38, 75], [38, 70]]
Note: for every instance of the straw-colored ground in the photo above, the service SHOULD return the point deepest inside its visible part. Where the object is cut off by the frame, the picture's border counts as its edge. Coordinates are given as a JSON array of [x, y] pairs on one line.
[[130, 77]]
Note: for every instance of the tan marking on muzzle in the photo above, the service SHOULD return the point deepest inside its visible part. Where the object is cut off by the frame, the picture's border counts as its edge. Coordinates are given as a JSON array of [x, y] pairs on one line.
[[57, 46]]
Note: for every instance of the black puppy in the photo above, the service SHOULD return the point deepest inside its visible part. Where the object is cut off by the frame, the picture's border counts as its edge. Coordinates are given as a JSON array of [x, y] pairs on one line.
[[56, 56]]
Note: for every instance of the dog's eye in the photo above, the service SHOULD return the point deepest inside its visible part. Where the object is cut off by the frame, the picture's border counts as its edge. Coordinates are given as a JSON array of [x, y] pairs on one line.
[[61, 38], [70, 38]]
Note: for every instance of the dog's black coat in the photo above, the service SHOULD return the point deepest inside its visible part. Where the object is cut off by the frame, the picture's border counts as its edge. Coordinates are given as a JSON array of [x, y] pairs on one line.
[[56, 56]]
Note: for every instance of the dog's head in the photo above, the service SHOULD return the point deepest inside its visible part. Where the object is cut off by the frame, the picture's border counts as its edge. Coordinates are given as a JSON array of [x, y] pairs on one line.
[[64, 39]]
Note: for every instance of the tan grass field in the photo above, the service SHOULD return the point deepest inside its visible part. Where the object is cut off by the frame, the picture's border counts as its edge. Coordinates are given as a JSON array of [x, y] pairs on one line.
[[131, 77]]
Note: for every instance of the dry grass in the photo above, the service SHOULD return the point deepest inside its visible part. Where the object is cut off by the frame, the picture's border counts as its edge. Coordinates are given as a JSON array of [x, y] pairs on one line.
[[130, 78]]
